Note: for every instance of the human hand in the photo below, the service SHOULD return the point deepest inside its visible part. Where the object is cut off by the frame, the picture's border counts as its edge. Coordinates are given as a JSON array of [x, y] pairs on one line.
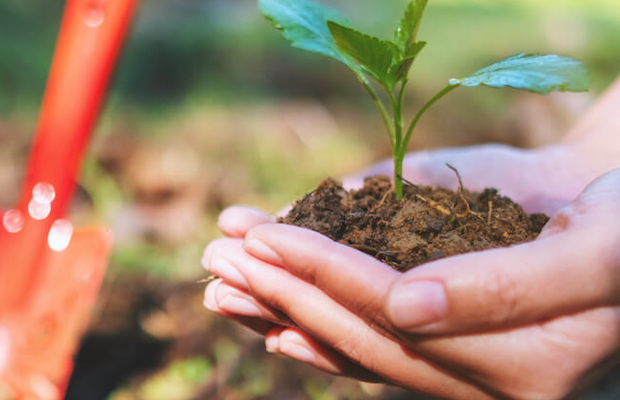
[[535, 321], [229, 297], [541, 180]]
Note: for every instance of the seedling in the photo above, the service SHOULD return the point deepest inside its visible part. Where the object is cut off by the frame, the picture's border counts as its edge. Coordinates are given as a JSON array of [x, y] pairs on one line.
[[316, 28]]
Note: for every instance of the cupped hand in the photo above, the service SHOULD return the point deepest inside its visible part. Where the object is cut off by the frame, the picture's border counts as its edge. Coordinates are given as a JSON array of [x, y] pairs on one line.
[[541, 180], [535, 321]]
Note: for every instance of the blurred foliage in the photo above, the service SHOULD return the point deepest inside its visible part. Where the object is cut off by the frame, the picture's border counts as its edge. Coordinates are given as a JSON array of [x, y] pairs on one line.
[[176, 382], [211, 107], [187, 50]]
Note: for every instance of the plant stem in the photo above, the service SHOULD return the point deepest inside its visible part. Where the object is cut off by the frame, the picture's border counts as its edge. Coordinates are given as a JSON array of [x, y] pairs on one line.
[[398, 128], [380, 106], [399, 154], [398, 125], [398, 180]]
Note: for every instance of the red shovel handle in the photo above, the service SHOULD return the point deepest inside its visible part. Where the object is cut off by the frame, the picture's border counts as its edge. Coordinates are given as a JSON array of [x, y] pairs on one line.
[[90, 38], [89, 41], [47, 284]]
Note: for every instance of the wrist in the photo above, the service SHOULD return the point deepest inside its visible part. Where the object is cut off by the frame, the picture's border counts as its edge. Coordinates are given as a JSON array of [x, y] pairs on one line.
[[556, 177], [594, 142], [593, 158]]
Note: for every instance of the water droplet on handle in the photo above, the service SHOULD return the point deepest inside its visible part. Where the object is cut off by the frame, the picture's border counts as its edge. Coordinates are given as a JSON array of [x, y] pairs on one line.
[[94, 15], [44, 193], [60, 235], [39, 211], [44, 388], [13, 221]]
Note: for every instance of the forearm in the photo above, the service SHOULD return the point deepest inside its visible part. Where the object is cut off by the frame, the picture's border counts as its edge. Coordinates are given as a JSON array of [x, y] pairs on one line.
[[595, 140]]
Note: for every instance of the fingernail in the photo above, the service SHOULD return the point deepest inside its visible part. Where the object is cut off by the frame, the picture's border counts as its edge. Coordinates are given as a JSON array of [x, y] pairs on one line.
[[207, 255], [272, 343], [416, 304], [261, 250], [297, 351], [209, 300], [204, 261], [225, 270], [239, 305]]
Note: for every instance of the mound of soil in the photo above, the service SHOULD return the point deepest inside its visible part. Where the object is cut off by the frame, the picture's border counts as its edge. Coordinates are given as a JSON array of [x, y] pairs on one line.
[[428, 224]]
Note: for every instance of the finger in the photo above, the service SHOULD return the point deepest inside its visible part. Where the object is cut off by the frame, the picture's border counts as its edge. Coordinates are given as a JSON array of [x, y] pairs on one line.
[[279, 339], [354, 279], [222, 297], [212, 247], [257, 325], [297, 344], [214, 261], [235, 221], [538, 361], [574, 266], [291, 341], [338, 328]]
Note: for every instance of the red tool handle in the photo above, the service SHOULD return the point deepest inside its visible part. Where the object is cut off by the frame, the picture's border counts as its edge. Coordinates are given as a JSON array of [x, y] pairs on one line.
[[89, 41], [91, 35], [47, 288]]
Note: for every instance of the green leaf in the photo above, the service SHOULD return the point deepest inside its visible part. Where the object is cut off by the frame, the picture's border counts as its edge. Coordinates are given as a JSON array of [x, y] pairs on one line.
[[304, 23], [374, 55], [537, 73], [407, 31]]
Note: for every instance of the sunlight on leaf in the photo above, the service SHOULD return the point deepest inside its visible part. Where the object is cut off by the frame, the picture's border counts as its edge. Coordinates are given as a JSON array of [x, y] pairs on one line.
[[373, 54], [407, 31], [304, 23], [537, 73]]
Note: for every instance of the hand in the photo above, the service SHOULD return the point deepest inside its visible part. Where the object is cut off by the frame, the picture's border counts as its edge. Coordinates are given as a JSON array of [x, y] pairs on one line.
[[541, 180], [535, 321]]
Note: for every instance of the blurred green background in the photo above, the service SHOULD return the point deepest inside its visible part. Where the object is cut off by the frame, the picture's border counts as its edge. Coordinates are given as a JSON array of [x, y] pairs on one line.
[[211, 107]]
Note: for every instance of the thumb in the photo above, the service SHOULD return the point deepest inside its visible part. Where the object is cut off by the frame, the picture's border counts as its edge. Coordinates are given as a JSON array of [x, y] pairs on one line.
[[573, 266], [236, 221]]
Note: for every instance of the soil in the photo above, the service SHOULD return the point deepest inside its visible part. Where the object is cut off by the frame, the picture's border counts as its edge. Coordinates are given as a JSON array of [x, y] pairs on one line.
[[429, 223]]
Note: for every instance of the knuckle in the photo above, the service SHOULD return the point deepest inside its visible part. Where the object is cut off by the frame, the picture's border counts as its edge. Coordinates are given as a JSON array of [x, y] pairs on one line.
[[358, 348], [211, 249], [307, 272], [325, 254], [500, 297], [281, 301]]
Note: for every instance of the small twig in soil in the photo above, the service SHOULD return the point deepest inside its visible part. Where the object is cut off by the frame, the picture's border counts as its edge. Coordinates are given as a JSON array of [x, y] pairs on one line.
[[375, 208], [436, 206], [208, 280], [409, 183], [490, 212], [372, 250], [468, 209]]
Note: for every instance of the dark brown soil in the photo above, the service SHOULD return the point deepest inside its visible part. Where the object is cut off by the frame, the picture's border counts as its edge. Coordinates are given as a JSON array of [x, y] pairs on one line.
[[428, 224]]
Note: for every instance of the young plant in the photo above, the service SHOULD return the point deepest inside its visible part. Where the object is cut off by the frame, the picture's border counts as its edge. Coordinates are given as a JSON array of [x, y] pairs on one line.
[[313, 27]]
